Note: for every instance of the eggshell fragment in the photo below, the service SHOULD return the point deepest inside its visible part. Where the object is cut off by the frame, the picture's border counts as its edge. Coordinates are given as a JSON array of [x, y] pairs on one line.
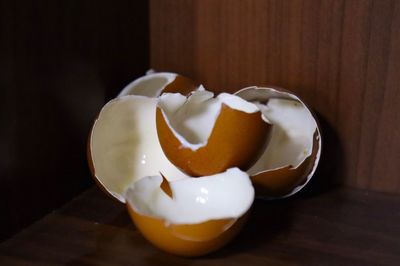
[[203, 135], [152, 85], [292, 156], [123, 145], [202, 215]]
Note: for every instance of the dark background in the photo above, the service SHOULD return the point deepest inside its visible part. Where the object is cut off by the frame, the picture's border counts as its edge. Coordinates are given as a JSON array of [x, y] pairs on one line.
[[60, 61]]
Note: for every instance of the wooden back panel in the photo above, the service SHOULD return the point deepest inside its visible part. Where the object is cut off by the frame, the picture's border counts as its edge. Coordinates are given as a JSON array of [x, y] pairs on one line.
[[341, 57]]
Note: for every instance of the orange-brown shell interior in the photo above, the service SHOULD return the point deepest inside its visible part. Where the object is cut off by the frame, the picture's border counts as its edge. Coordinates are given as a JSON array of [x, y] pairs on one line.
[[280, 182], [237, 140]]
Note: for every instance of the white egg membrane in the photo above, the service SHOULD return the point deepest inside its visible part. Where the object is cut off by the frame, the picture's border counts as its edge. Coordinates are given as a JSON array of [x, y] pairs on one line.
[[124, 144], [150, 85], [195, 200], [293, 128], [192, 119]]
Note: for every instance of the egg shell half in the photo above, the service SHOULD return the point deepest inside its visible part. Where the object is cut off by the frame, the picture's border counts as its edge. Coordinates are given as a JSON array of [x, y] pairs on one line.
[[237, 139], [194, 216], [116, 163], [284, 179]]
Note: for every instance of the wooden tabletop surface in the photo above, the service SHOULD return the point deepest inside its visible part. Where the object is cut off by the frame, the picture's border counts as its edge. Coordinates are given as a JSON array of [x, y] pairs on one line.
[[340, 227]]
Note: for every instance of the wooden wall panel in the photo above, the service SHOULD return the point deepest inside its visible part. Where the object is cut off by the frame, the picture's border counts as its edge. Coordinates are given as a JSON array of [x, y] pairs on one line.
[[386, 163], [341, 57], [353, 79]]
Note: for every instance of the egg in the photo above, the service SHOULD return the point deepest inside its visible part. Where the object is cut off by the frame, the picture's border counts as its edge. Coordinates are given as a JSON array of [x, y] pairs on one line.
[[196, 216], [203, 135], [123, 145], [163, 129], [291, 158]]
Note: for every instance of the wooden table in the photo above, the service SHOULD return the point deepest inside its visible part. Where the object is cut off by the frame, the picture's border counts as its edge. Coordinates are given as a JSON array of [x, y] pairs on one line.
[[340, 227]]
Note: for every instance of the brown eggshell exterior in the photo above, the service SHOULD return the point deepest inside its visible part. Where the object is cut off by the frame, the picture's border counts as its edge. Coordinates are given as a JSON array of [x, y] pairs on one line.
[[280, 182], [237, 140], [180, 84], [187, 240]]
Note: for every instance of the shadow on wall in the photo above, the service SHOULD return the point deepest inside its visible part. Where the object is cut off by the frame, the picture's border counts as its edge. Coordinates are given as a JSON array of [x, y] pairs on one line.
[[331, 168], [60, 62]]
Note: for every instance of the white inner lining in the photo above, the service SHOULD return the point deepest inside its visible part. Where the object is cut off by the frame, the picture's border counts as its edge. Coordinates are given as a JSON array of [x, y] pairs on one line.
[[124, 144], [195, 200], [292, 135], [150, 85]]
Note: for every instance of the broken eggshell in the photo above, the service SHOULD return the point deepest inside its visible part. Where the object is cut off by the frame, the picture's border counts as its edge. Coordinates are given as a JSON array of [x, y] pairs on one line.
[[153, 84], [123, 148], [123, 145], [193, 216], [292, 155], [203, 135]]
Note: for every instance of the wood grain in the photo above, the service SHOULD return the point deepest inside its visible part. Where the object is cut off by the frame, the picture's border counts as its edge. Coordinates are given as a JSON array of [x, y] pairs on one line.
[[341, 57], [342, 227]]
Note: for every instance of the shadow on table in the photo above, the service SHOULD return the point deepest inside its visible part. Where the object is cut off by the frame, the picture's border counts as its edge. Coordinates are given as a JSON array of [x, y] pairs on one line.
[[268, 221]]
